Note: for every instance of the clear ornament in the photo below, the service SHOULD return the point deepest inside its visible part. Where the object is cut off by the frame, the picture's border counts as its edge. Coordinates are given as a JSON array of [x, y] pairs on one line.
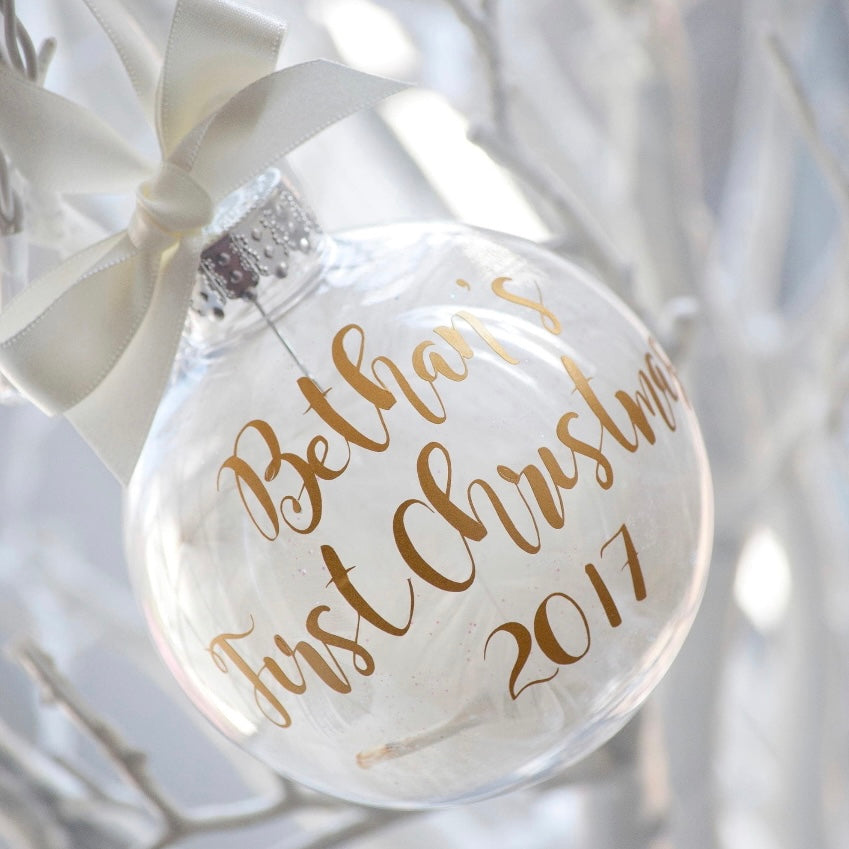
[[425, 513]]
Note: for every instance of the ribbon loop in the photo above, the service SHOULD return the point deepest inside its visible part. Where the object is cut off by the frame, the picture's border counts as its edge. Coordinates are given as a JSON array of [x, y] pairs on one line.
[[232, 47], [168, 205]]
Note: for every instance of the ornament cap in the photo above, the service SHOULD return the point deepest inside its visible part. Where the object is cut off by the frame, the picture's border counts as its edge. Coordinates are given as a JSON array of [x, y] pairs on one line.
[[262, 235]]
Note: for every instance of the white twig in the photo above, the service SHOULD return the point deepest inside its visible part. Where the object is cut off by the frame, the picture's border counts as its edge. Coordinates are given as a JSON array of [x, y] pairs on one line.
[[800, 104], [45, 56], [505, 150], [176, 824], [18, 52], [25, 819], [132, 763], [374, 821], [499, 139], [483, 26], [677, 324], [48, 804]]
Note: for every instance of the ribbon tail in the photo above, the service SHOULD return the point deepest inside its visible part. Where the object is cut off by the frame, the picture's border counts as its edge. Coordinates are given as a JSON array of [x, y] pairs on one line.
[[60, 335], [116, 417]]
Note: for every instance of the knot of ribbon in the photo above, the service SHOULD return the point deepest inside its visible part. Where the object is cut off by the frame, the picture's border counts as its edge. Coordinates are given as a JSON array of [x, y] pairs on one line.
[[168, 205], [95, 338]]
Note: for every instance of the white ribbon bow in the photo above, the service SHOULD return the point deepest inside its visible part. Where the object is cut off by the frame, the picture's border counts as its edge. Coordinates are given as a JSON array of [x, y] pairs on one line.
[[95, 339]]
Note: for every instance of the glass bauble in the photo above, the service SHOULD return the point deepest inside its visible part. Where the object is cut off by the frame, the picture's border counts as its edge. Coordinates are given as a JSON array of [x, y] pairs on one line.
[[431, 527]]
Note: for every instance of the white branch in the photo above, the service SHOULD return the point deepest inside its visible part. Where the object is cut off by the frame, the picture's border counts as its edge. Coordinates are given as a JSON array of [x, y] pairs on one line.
[[800, 104], [131, 762], [499, 139], [375, 820], [18, 52], [176, 824], [47, 804]]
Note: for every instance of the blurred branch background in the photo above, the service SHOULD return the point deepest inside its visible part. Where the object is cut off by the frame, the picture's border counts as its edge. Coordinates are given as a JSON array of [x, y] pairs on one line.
[[694, 154]]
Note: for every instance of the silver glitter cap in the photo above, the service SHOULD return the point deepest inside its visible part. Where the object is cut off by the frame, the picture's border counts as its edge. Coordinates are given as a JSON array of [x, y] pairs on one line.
[[262, 233]]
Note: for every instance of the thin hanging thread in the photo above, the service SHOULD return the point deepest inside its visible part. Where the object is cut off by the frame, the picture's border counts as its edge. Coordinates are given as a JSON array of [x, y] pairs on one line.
[[251, 296]]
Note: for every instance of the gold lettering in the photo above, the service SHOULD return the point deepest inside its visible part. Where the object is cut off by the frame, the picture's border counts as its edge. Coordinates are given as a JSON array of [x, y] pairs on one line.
[[658, 388], [469, 527], [547, 318], [245, 474], [632, 561], [524, 644], [552, 511], [582, 384], [418, 405], [309, 484], [416, 562], [316, 662], [317, 400], [545, 637], [603, 469], [438, 365], [504, 517], [452, 336], [351, 372], [279, 675], [319, 464], [252, 489], [339, 577], [558, 477], [221, 645], [614, 617], [635, 407], [362, 659]]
